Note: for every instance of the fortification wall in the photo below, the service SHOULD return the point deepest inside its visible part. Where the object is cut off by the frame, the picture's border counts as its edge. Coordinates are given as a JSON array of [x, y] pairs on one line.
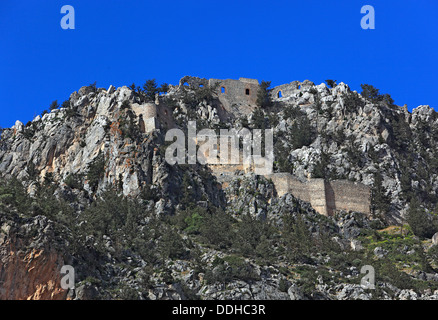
[[151, 115], [325, 197], [165, 116], [281, 182], [147, 114], [237, 96], [348, 195], [312, 191], [330, 199], [150, 124], [241, 96], [298, 188], [316, 189], [288, 89], [147, 110], [236, 92]]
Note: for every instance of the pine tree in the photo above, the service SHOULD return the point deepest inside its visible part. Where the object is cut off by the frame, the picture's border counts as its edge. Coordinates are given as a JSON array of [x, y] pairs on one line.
[[96, 171], [54, 105], [264, 99], [422, 223], [150, 89], [380, 201], [164, 88], [331, 83]]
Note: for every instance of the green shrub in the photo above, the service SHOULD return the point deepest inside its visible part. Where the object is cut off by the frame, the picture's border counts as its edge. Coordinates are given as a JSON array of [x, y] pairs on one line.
[[217, 229], [230, 268], [172, 244], [283, 285], [73, 181], [423, 224], [352, 101], [371, 93], [96, 171], [194, 223]]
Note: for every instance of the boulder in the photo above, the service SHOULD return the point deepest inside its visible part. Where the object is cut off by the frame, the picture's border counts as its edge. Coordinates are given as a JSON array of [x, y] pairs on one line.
[[295, 293], [379, 252], [435, 239]]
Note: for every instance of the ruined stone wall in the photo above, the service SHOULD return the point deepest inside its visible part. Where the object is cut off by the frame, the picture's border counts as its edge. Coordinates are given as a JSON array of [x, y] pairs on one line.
[[147, 114], [281, 182], [316, 189], [348, 195], [165, 116], [325, 197], [193, 82], [286, 90], [289, 89], [150, 124], [236, 93], [235, 96], [312, 191], [298, 188], [147, 110], [151, 115]]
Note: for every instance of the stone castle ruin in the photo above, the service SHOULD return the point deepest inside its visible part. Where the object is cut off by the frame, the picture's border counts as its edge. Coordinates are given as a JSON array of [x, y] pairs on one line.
[[239, 96]]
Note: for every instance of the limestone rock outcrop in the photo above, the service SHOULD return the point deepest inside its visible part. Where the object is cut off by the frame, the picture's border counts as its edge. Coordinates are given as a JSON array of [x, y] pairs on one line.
[[30, 262]]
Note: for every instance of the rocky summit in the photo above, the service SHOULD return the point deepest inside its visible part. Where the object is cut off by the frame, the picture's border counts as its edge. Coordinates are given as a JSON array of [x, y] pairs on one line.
[[348, 210]]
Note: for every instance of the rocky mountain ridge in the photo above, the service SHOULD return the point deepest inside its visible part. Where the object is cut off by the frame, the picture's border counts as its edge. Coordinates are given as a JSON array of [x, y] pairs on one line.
[[103, 141]]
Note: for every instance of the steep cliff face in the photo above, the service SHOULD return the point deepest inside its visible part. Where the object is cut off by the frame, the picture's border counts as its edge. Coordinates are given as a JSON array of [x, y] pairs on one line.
[[31, 262], [98, 142], [64, 142]]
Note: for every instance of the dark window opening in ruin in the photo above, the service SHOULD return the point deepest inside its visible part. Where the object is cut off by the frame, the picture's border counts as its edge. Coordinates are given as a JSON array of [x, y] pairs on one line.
[[247, 92], [299, 87], [222, 89], [201, 86], [165, 112], [280, 94]]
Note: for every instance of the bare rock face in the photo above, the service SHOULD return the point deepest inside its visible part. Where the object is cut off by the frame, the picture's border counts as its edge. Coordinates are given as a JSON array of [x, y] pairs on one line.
[[31, 260], [31, 276], [112, 123]]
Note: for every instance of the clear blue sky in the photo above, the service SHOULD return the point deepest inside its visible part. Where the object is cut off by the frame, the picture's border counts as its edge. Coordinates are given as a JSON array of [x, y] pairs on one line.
[[121, 42]]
